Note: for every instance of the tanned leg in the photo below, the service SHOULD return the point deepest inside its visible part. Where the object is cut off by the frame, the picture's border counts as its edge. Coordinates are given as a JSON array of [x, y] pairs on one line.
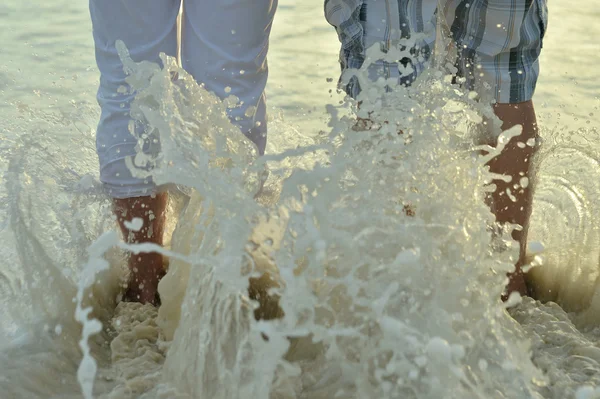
[[513, 200], [512, 204], [146, 268]]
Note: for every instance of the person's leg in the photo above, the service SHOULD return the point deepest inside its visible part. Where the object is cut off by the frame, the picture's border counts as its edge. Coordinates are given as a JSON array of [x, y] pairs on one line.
[[224, 47], [146, 268], [512, 200], [498, 46], [147, 30]]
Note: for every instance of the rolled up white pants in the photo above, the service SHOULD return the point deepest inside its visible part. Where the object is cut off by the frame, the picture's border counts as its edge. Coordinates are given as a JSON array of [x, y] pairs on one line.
[[224, 44]]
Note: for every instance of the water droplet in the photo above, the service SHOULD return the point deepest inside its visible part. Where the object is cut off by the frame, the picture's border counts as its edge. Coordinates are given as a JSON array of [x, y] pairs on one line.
[[250, 112], [483, 364]]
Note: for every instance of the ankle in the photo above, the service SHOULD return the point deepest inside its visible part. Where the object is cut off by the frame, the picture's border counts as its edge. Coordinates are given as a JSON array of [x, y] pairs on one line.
[[146, 272]]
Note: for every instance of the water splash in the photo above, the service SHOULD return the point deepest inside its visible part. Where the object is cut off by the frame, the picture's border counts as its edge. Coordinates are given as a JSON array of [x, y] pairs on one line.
[[374, 266], [381, 266]]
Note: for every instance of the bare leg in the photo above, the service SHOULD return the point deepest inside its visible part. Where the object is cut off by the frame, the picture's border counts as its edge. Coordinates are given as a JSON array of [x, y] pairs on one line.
[[512, 201], [146, 268], [511, 204]]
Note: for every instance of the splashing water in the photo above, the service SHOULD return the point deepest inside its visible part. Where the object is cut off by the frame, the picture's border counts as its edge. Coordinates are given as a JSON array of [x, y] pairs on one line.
[[369, 257], [383, 272]]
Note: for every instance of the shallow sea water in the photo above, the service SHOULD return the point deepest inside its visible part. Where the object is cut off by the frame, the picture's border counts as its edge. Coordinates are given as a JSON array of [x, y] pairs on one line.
[[377, 303]]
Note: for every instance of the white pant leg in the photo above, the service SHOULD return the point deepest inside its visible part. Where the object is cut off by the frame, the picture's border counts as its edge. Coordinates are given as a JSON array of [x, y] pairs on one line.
[[147, 28], [224, 44]]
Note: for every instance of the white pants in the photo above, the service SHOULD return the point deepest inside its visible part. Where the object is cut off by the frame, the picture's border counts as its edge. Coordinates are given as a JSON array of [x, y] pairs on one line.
[[224, 44]]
